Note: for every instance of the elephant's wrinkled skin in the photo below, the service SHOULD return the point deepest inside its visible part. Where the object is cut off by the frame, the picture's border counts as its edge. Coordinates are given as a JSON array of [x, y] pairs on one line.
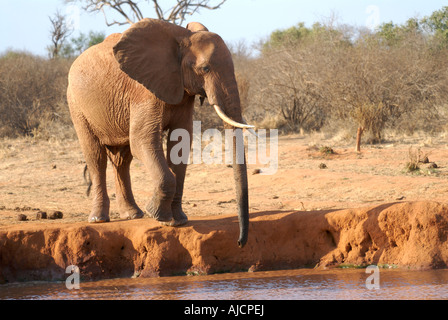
[[124, 92]]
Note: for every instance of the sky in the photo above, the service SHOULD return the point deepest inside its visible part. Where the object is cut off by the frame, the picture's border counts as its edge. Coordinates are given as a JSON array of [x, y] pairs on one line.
[[24, 24]]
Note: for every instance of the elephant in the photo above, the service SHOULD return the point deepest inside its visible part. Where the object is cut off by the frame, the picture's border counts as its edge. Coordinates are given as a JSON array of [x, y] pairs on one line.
[[125, 92]]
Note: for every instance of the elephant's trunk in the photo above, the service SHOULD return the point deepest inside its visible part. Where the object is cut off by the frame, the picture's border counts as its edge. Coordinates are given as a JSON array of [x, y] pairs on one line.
[[241, 186], [227, 98]]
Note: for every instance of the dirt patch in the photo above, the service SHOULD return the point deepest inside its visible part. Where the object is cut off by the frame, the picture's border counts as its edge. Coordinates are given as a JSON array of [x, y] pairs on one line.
[[411, 235], [300, 217]]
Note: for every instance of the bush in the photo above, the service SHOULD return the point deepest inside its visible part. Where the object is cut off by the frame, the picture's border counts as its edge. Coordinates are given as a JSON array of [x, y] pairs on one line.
[[394, 78], [289, 79], [32, 93]]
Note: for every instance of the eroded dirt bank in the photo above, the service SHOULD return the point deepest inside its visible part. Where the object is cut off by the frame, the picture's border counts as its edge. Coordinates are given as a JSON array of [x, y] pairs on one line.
[[406, 234]]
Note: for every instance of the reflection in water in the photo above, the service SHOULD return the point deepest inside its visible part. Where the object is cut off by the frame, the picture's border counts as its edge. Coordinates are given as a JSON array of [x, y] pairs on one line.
[[283, 285]]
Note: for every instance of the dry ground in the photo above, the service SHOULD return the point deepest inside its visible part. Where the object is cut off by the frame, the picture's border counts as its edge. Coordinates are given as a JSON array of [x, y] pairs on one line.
[[48, 175]]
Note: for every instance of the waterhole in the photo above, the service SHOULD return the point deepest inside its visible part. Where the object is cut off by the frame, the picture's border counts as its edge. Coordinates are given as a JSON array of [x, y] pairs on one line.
[[334, 284]]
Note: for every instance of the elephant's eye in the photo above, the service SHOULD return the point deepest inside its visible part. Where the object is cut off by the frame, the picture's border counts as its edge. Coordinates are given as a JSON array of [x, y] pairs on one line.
[[206, 69]]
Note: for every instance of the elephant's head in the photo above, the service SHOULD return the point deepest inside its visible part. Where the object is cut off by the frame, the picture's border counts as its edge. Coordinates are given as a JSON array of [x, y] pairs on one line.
[[171, 61]]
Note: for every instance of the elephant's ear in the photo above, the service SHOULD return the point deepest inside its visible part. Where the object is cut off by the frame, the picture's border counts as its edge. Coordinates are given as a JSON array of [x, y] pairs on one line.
[[196, 27], [149, 52]]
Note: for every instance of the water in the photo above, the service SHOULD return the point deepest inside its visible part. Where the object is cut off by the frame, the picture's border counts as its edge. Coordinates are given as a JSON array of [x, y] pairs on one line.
[[273, 285]]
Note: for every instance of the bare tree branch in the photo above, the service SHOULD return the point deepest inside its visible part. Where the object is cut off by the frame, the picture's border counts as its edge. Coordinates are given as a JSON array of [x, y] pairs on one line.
[[128, 9], [131, 13], [177, 14], [59, 33]]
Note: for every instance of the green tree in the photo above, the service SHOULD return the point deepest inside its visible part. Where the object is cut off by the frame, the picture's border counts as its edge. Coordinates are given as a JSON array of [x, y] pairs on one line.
[[392, 34], [437, 25], [78, 45], [300, 34], [293, 34], [389, 33]]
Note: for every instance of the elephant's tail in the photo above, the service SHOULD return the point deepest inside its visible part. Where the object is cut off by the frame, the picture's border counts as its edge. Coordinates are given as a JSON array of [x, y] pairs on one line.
[[87, 180]]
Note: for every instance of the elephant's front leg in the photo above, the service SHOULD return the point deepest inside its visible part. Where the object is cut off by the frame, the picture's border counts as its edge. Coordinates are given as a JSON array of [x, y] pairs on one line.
[[146, 145], [179, 167], [159, 207]]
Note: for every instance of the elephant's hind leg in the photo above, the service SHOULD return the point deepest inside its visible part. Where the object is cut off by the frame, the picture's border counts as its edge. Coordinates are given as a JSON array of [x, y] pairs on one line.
[[121, 159], [96, 159]]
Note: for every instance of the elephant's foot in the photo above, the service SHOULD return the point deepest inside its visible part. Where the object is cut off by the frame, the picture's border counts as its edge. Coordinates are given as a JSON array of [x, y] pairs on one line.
[[131, 213], [179, 217], [160, 210], [100, 211], [100, 217]]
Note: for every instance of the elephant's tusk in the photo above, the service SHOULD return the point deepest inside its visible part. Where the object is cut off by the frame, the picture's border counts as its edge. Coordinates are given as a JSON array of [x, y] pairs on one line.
[[226, 119], [252, 131]]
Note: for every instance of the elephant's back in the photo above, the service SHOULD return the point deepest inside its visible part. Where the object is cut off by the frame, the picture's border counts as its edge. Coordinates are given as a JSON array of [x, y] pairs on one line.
[[97, 70], [101, 92], [93, 63]]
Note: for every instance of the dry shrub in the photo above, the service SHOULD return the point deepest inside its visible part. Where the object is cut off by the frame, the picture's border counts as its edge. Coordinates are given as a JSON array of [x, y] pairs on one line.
[[207, 115], [349, 76], [32, 94], [286, 87], [416, 157], [378, 86]]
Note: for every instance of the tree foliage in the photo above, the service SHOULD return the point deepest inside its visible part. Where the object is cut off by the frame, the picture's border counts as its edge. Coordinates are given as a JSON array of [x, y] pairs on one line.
[[79, 44], [300, 34], [437, 24], [432, 28]]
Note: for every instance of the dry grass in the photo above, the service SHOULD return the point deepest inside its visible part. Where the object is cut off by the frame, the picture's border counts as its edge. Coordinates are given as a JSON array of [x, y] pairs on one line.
[[416, 159], [32, 95]]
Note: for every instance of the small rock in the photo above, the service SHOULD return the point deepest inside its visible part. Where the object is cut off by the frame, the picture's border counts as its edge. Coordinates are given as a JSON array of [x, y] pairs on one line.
[[433, 165], [326, 150], [41, 215], [275, 197], [53, 166], [252, 268], [21, 217], [55, 215], [323, 166], [256, 171]]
